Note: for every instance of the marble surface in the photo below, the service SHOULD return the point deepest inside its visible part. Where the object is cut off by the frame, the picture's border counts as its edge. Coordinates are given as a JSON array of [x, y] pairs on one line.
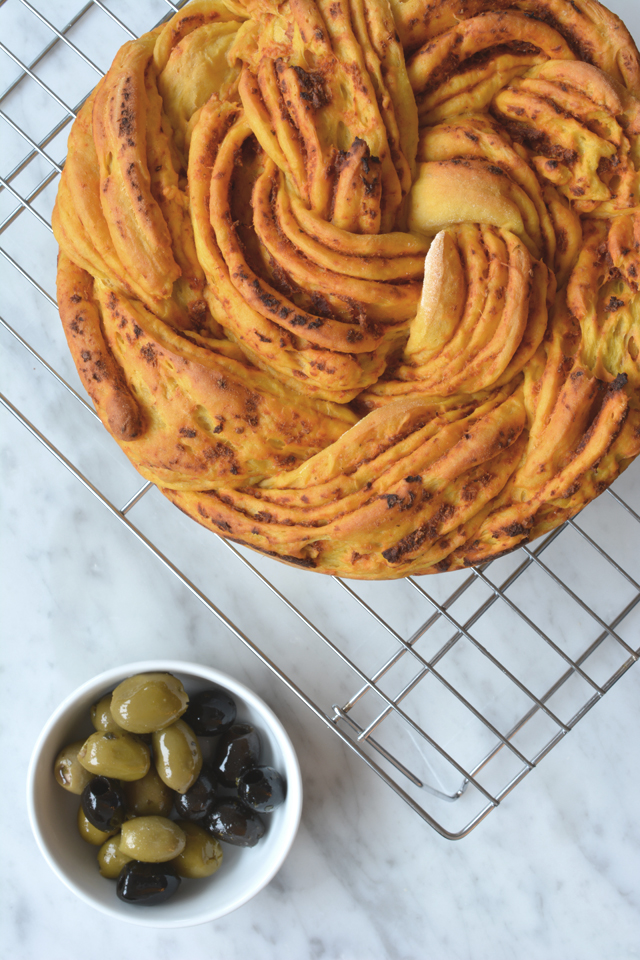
[[553, 874]]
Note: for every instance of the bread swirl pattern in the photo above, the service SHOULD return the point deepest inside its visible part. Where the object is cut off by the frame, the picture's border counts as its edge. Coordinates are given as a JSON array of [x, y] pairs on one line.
[[355, 282]]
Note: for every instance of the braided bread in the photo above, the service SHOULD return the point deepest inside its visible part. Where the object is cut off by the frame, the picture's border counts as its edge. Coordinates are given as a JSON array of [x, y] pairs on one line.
[[355, 282]]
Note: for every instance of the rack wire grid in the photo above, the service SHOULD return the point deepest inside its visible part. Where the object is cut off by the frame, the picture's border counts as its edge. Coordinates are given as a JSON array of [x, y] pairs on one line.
[[451, 687]]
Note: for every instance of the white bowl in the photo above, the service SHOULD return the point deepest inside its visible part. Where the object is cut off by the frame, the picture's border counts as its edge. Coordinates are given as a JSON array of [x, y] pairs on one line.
[[244, 871]]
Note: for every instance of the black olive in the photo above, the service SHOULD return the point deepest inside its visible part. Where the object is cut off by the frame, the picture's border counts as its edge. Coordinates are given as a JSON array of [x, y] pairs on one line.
[[196, 803], [210, 712], [146, 884], [103, 803], [232, 821], [261, 788], [238, 750]]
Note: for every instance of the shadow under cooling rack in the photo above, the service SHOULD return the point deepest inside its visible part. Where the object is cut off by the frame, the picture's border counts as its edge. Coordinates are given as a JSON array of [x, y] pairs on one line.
[[451, 687]]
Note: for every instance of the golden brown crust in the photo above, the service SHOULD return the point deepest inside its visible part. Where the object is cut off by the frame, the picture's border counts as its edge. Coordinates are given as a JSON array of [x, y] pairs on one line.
[[594, 34], [244, 216], [101, 376]]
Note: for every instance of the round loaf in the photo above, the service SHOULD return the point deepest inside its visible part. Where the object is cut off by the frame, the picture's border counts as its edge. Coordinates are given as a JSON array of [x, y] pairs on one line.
[[355, 282]]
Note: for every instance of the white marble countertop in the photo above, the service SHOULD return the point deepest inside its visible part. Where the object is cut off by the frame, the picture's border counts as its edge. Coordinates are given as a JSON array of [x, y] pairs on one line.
[[553, 874]]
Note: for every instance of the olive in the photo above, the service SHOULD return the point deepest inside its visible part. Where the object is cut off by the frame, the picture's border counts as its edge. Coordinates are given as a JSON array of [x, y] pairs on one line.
[[148, 796], [208, 747], [261, 788], [101, 716], [148, 702], [177, 756], [115, 754], [238, 750], [202, 854], [195, 804], [146, 884], [103, 803], [152, 839], [211, 712], [232, 821], [68, 770], [90, 833], [111, 859]]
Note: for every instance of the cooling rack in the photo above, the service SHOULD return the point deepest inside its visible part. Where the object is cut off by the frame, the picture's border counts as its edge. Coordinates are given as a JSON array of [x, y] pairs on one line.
[[453, 687]]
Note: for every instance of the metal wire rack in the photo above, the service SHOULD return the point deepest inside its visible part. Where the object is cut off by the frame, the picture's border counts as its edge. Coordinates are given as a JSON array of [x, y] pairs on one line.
[[451, 688]]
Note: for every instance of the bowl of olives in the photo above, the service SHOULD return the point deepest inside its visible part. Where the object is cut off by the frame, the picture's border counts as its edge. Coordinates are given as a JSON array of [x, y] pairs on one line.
[[164, 793]]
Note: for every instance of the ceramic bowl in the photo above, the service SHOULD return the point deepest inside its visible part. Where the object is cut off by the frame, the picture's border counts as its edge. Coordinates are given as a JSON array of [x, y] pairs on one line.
[[244, 871]]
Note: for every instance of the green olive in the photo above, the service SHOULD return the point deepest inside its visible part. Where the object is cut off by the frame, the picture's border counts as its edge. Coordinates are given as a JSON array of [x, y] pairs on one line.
[[177, 756], [148, 702], [202, 854], [115, 754], [101, 716], [68, 770], [90, 833], [111, 860], [152, 839], [148, 796]]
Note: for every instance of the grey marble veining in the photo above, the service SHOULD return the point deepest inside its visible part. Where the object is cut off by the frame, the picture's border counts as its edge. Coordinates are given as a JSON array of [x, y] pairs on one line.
[[555, 872]]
